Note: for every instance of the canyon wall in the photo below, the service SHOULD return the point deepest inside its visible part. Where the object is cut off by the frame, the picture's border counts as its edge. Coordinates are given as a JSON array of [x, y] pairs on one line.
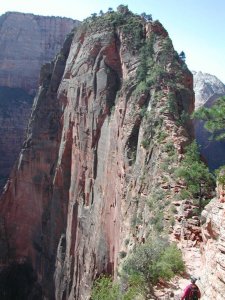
[[104, 138], [26, 42]]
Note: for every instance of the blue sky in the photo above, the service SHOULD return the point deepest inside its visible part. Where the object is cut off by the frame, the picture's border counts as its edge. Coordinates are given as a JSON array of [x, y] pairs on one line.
[[195, 26]]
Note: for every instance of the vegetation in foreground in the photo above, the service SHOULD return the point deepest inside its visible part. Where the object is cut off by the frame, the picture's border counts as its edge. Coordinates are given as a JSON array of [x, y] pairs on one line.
[[154, 261]]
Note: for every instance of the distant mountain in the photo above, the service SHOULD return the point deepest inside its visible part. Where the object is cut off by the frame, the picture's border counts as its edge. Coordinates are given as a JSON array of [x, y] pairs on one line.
[[208, 88]]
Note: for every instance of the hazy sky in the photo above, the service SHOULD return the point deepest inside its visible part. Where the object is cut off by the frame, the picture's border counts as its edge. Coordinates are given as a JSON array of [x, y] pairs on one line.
[[196, 26]]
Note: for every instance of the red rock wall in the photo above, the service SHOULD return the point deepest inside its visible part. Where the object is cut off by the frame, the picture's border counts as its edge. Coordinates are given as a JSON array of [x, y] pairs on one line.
[[83, 174], [213, 248]]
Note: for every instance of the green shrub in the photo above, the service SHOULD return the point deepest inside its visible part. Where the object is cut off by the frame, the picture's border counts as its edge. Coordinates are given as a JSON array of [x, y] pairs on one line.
[[161, 136], [157, 221], [220, 175], [104, 289], [196, 174], [169, 148], [145, 143], [184, 194], [135, 284], [126, 242], [122, 254], [155, 260]]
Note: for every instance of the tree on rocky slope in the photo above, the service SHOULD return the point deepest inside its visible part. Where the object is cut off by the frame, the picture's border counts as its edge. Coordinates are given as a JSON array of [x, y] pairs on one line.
[[214, 118], [154, 260], [195, 173]]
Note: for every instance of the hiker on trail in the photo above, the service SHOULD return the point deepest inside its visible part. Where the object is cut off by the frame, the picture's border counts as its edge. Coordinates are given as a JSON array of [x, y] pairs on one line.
[[192, 291]]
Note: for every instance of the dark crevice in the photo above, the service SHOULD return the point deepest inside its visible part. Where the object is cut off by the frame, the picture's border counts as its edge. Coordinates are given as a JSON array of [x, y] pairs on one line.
[[95, 163], [132, 143], [19, 282]]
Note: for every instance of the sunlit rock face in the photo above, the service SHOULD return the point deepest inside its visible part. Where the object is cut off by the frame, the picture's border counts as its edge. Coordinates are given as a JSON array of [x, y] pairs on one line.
[[208, 89], [94, 152]]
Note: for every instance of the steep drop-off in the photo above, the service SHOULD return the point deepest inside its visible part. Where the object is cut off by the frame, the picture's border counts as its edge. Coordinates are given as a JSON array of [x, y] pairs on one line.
[[208, 89], [26, 42], [15, 108], [106, 132]]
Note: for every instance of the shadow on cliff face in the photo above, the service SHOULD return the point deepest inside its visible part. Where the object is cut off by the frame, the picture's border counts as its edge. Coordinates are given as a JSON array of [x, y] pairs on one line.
[[18, 282]]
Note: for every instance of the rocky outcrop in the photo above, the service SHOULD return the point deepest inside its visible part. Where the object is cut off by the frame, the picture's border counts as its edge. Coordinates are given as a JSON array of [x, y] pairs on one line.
[[213, 248], [26, 42], [208, 89], [99, 156]]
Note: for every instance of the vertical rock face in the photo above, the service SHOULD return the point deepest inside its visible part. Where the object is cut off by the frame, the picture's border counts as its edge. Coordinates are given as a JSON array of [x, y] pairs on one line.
[[208, 89], [213, 247], [96, 148], [26, 42]]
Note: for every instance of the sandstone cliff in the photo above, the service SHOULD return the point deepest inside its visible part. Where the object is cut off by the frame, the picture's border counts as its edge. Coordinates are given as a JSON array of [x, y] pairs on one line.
[[105, 135], [26, 42], [213, 247]]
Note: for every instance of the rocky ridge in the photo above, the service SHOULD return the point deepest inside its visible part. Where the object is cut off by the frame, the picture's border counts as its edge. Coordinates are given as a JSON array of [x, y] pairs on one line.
[[98, 161]]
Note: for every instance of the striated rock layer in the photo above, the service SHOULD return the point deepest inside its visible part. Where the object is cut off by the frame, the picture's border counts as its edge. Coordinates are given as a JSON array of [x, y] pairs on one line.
[[96, 149], [26, 42]]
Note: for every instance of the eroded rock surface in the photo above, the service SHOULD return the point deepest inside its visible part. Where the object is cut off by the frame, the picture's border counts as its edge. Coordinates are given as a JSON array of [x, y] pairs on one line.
[[213, 248]]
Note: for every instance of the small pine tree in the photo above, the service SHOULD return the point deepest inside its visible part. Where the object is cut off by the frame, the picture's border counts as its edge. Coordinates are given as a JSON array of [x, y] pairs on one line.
[[154, 260], [195, 173], [182, 56], [214, 118]]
